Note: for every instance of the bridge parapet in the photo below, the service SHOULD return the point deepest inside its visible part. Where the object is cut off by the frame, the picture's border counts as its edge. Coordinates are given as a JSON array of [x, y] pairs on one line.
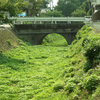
[[47, 28]]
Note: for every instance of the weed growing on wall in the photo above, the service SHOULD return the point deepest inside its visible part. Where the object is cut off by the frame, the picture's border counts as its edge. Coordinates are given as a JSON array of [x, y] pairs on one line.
[[9, 42]]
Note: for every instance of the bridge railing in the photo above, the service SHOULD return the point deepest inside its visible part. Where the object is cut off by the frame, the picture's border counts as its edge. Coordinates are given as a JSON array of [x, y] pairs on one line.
[[20, 20], [88, 20]]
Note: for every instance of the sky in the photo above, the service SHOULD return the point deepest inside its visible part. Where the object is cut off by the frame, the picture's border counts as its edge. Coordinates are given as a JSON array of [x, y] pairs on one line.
[[55, 2]]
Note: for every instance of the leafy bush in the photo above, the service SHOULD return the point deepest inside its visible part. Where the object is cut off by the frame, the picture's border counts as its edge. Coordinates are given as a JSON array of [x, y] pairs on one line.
[[75, 97], [69, 87], [81, 32], [90, 71], [71, 69], [90, 83], [84, 28], [67, 75], [74, 42], [75, 80], [58, 87], [74, 61], [91, 49], [87, 66], [64, 72], [85, 41], [72, 74], [84, 32], [28, 43], [96, 94], [79, 13], [91, 52], [54, 13]]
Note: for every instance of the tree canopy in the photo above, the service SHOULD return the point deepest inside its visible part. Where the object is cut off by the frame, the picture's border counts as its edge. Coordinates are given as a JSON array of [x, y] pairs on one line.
[[54, 13], [34, 7], [82, 10], [68, 6], [45, 3], [12, 6]]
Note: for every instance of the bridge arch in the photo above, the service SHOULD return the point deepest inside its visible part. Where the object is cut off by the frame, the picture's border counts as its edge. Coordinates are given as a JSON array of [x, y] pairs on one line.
[[54, 39], [67, 36]]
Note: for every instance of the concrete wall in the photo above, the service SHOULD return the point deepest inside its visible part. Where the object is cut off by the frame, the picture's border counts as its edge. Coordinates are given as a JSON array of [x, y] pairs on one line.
[[96, 16], [96, 20], [95, 2], [96, 25]]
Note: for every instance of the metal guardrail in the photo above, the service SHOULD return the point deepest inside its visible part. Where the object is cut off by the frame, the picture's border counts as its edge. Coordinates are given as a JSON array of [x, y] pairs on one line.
[[85, 19], [40, 20]]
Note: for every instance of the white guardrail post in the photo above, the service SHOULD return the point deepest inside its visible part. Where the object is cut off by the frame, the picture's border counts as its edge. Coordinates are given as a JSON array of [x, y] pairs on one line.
[[35, 20], [52, 20], [88, 20], [68, 19]]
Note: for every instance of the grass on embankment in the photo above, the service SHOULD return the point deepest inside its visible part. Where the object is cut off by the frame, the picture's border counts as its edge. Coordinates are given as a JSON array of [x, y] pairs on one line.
[[8, 39], [54, 40], [53, 73]]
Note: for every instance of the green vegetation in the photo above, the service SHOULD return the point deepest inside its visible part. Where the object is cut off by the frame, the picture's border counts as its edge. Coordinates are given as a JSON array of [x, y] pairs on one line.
[[54, 40], [54, 13], [8, 40], [12, 6], [83, 10], [67, 7], [52, 73], [34, 7]]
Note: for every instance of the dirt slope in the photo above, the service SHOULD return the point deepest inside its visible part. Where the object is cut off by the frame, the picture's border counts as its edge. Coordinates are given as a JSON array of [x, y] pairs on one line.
[[8, 39]]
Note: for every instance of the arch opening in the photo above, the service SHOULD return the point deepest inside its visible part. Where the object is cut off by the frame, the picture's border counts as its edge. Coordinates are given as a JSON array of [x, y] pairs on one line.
[[54, 39]]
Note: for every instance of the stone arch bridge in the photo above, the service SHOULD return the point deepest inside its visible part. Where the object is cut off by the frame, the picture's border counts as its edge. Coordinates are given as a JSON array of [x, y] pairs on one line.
[[35, 33]]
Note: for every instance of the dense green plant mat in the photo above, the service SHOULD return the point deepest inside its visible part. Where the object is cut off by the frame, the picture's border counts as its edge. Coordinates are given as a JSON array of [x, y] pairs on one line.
[[54, 40], [52, 73]]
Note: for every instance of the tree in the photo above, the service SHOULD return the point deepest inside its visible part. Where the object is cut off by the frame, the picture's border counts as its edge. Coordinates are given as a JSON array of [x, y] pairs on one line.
[[82, 10], [2, 3], [54, 13], [12, 6], [89, 12], [65, 7], [79, 13], [45, 3], [34, 7], [68, 6]]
